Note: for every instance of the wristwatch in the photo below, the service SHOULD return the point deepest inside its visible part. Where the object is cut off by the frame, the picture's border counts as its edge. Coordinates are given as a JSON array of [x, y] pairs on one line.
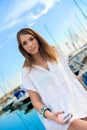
[[42, 111]]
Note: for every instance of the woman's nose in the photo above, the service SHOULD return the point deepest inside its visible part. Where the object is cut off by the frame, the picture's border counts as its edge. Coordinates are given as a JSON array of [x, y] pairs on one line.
[[30, 44]]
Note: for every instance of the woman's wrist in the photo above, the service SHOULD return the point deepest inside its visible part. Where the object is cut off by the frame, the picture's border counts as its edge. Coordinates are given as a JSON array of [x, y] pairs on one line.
[[48, 114], [45, 112]]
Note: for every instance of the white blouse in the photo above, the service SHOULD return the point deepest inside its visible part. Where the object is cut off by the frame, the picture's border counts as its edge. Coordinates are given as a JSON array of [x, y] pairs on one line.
[[59, 90]]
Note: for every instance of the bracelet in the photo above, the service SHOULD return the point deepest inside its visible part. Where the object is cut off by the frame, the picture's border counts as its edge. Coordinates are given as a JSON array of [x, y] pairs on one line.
[[42, 111]]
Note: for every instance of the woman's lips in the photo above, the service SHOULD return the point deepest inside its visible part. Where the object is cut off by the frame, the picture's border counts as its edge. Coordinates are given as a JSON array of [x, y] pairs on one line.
[[33, 49]]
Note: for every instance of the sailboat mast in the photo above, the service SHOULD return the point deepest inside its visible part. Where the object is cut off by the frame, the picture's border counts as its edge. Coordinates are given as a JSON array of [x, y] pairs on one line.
[[80, 9]]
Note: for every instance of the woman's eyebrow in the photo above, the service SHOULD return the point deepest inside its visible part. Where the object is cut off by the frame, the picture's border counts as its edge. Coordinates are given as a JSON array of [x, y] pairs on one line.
[[26, 40], [31, 37]]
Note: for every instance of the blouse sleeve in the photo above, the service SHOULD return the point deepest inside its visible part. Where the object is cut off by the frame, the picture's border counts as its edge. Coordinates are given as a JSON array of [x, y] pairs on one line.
[[27, 83]]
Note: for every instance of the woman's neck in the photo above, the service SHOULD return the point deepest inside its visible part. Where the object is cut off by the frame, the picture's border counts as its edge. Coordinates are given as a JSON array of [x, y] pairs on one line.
[[38, 58], [41, 61]]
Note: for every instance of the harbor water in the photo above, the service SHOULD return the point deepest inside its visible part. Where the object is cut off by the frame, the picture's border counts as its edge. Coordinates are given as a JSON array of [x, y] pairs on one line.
[[18, 120]]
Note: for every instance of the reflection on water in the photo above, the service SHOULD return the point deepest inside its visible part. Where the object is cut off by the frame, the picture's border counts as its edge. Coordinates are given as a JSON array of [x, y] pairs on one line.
[[18, 120]]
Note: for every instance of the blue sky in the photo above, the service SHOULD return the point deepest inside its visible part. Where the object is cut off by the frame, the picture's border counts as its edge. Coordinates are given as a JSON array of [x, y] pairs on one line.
[[56, 15]]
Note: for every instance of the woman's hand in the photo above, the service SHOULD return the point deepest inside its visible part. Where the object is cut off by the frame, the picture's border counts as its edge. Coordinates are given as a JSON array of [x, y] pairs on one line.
[[55, 117]]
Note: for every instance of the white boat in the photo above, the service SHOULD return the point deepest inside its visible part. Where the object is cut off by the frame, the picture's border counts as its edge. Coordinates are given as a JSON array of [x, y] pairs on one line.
[[78, 63]]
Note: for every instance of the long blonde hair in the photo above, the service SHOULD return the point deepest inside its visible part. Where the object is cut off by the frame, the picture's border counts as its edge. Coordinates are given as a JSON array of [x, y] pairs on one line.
[[46, 51]]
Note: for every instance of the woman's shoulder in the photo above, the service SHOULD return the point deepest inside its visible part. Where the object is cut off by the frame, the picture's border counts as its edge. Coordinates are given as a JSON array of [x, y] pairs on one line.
[[55, 48], [25, 71], [25, 68], [24, 64]]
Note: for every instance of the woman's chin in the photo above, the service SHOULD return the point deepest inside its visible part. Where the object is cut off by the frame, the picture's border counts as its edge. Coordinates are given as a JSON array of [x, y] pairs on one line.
[[34, 53]]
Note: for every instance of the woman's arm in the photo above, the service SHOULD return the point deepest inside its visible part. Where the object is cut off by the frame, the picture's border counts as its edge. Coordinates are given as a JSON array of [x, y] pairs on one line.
[[36, 100], [38, 105]]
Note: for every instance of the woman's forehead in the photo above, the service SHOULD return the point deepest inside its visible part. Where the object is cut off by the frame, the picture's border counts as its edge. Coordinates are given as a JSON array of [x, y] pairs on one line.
[[25, 36]]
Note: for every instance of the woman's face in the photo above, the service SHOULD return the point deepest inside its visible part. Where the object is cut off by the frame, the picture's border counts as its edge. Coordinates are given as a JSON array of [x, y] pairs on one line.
[[29, 43]]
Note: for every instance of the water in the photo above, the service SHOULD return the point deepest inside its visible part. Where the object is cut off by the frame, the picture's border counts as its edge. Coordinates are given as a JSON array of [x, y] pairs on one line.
[[17, 120]]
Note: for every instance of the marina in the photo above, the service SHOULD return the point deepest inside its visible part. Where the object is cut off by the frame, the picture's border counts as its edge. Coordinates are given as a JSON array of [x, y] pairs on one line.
[[18, 107], [78, 64], [70, 36], [20, 99], [18, 120]]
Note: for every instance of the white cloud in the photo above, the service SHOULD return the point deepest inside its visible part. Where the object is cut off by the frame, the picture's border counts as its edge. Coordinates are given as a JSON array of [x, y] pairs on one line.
[[21, 8], [48, 5], [10, 24], [31, 24], [17, 13]]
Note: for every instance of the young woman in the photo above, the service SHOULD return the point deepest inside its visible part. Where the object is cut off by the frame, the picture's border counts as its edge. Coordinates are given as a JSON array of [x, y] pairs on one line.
[[52, 87]]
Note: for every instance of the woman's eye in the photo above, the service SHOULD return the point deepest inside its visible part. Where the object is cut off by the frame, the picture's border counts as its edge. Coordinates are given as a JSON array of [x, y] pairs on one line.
[[31, 38], [24, 43]]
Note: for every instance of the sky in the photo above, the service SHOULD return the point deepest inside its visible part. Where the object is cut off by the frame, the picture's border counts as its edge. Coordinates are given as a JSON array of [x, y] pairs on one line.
[[50, 18]]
